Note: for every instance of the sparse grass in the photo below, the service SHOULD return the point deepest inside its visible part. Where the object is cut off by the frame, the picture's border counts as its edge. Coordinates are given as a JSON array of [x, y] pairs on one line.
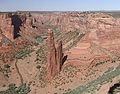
[[12, 89], [42, 76], [114, 14], [65, 38], [74, 42], [41, 56], [23, 53], [56, 29], [70, 71], [91, 87], [60, 80], [57, 35], [5, 70], [100, 63], [39, 39], [41, 61]]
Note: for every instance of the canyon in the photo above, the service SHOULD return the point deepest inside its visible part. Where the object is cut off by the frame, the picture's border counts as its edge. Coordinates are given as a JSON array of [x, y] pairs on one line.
[[60, 52]]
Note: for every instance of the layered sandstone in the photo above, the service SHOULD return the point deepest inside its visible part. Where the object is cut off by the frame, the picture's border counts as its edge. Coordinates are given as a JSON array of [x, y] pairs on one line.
[[51, 55], [59, 55], [54, 55], [6, 26], [1, 37], [29, 20]]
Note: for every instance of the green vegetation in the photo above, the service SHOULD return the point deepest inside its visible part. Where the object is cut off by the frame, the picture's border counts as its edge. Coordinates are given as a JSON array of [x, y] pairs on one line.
[[41, 61], [38, 67], [5, 70], [92, 86], [115, 14], [41, 56], [56, 29], [65, 38], [7, 66], [22, 53], [12, 89], [39, 39], [100, 63], [42, 73], [71, 37], [70, 71], [57, 35], [60, 80], [74, 42]]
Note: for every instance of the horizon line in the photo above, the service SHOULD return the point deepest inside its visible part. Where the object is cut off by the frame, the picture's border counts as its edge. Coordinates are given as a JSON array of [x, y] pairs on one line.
[[61, 11]]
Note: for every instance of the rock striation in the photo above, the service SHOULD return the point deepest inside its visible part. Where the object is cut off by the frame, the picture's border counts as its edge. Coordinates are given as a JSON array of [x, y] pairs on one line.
[[6, 26], [59, 55], [51, 55], [28, 21], [54, 55]]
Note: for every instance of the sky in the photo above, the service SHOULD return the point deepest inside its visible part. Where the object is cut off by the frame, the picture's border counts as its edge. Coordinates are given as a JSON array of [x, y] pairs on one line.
[[59, 5]]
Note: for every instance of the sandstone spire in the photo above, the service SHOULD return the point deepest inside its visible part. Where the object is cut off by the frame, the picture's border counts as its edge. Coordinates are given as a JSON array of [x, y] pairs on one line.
[[59, 55], [54, 55], [51, 55], [1, 36]]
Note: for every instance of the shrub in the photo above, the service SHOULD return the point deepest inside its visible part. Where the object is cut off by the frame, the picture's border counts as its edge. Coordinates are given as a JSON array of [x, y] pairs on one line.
[[12, 89]]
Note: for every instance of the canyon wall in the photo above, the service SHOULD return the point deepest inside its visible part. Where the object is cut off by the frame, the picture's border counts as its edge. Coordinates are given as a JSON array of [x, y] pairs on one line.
[[6, 26]]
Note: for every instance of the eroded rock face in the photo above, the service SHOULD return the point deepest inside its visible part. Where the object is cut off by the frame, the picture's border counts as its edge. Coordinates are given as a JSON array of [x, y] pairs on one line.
[[1, 37], [29, 20], [59, 55], [11, 40], [6, 26], [51, 55], [54, 55], [65, 21]]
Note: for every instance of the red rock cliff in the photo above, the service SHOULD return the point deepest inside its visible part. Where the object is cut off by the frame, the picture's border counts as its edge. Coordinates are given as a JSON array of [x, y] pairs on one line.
[[6, 26], [59, 55], [54, 55]]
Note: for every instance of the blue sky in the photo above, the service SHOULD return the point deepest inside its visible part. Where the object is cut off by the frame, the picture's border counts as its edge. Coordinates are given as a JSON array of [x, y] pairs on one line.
[[58, 5]]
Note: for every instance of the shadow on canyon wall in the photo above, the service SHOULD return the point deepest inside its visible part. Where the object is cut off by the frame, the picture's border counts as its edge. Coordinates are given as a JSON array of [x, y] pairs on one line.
[[16, 22]]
